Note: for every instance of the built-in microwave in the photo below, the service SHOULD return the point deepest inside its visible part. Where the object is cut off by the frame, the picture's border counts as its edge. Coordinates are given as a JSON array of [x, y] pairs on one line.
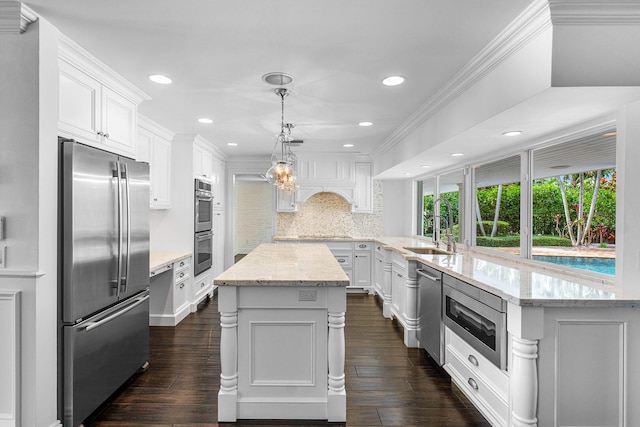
[[203, 208], [478, 317]]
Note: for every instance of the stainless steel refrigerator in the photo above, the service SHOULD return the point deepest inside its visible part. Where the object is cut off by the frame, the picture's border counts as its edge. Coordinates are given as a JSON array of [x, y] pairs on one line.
[[103, 276]]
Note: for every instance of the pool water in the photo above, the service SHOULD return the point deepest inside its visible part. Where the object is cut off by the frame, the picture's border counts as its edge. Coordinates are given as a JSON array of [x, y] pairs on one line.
[[600, 265]]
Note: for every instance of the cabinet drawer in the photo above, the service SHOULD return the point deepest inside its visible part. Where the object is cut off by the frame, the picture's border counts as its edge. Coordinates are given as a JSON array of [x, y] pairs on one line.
[[362, 246], [160, 270], [179, 275], [340, 245], [475, 387], [180, 294], [182, 264], [345, 259], [477, 363]]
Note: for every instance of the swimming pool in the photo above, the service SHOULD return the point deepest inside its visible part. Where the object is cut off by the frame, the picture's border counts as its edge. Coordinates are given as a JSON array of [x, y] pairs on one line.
[[601, 265]]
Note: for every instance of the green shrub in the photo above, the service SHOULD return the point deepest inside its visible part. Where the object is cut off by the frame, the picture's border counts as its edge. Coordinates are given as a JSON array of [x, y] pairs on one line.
[[514, 241], [504, 228]]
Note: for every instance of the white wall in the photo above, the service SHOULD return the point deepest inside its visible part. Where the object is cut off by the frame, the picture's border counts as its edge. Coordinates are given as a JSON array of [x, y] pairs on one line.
[[398, 202], [28, 195]]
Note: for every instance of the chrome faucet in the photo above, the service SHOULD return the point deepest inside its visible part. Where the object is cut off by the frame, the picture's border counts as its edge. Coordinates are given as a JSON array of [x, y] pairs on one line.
[[451, 244]]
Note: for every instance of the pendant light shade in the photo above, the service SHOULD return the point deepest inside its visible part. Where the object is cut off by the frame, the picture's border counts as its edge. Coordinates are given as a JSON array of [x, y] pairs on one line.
[[282, 172]]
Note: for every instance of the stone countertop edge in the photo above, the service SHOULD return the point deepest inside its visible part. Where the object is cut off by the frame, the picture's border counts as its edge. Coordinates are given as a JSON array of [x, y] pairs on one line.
[[397, 244], [287, 265], [159, 260]]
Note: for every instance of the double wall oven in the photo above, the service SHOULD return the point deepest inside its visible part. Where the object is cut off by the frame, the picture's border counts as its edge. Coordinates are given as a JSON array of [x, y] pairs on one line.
[[203, 226]]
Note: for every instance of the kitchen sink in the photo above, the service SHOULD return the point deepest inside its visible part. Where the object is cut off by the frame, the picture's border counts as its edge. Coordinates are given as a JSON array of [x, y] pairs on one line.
[[428, 251]]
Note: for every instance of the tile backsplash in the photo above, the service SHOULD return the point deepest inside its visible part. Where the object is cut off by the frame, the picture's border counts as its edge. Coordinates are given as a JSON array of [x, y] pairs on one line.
[[327, 214]]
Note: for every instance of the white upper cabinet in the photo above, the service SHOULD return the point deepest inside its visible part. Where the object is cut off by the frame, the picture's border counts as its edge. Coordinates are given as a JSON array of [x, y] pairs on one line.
[[207, 164], [218, 177], [329, 170], [202, 162], [96, 106], [363, 202], [154, 146]]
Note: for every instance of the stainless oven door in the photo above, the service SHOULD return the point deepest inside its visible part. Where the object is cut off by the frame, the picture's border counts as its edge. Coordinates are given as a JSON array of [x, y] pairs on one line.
[[203, 251], [203, 213], [481, 326]]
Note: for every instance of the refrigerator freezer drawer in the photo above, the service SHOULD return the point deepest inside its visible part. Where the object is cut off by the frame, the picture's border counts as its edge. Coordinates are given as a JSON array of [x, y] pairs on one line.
[[101, 353]]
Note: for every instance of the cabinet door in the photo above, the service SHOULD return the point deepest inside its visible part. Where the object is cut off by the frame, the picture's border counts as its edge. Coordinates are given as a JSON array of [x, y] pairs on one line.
[[397, 292], [364, 188], [218, 242], [118, 122], [362, 269], [218, 178], [79, 106], [160, 173], [143, 145], [286, 200]]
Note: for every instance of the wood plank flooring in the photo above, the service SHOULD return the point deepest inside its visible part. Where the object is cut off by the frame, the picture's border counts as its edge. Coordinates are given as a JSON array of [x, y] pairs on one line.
[[387, 383]]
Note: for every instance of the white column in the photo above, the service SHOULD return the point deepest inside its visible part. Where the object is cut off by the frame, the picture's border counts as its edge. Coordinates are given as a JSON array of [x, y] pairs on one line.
[[411, 311], [526, 328], [337, 394], [386, 286], [524, 382], [228, 394]]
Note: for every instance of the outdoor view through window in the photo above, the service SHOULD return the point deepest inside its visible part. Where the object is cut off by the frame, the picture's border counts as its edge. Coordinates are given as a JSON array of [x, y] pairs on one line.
[[573, 193]]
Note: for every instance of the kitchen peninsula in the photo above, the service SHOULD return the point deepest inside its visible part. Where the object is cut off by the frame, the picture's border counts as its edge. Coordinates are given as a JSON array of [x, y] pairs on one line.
[[282, 311]]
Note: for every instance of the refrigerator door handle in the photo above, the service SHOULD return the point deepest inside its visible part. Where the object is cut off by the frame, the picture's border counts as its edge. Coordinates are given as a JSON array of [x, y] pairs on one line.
[[128, 263], [94, 324], [119, 262]]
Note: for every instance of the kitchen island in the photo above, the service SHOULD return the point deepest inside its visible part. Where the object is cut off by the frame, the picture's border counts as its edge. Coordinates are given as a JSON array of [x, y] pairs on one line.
[[282, 311]]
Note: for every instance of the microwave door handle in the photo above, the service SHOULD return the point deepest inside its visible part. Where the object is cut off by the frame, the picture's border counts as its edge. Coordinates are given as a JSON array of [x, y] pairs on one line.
[[128, 189], [119, 196]]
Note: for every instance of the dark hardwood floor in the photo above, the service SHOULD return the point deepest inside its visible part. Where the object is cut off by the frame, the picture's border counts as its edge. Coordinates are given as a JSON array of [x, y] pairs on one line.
[[387, 383]]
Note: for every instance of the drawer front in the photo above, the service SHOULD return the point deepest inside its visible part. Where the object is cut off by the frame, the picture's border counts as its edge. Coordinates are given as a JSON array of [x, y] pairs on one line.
[[477, 363], [362, 246], [476, 388], [180, 294], [339, 245], [182, 264], [179, 275], [398, 260], [160, 270], [345, 259]]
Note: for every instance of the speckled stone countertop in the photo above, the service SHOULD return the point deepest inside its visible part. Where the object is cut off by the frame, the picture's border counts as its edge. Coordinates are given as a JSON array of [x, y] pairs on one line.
[[521, 282], [285, 265], [159, 260]]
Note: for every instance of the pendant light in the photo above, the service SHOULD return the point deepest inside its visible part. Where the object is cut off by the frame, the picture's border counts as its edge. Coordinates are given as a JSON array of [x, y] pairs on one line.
[[282, 172]]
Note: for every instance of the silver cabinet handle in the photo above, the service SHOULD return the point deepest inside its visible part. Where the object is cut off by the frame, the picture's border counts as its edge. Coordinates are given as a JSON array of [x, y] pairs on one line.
[[341, 260], [106, 135], [399, 275], [362, 245], [181, 285], [473, 360], [202, 285], [182, 264], [473, 383], [182, 275]]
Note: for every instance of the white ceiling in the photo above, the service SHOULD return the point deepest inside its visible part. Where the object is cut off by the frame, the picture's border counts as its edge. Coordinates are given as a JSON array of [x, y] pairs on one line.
[[338, 51]]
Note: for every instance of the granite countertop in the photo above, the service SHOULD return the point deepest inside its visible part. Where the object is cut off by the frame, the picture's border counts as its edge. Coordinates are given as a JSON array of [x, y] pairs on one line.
[[159, 260], [285, 265], [519, 281]]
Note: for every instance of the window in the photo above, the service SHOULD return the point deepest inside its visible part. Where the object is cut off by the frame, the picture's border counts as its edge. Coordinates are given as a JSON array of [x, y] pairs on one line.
[[574, 203], [497, 217], [447, 189], [425, 207]]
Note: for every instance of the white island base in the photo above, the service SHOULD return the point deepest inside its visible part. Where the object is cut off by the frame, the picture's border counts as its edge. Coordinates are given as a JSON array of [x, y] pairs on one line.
[[282, 343]]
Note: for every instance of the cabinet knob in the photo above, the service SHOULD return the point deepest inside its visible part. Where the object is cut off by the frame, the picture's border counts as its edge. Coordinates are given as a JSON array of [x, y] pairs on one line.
[[100, 134], [182, 264], [341, 260], [181, 285], [182, 275], [202, 285], [473, 360], [362, 245], [106, 135], [473, 383]]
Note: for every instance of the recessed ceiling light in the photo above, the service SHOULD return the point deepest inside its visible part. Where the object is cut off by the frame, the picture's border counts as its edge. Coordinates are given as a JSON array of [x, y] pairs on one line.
[[393, 81], [457, 154], [512, 133], [365, 124], [277, 79], [160, 79], [406, 173], [205, 120], [347, 145], [425, 166], [232, 144]]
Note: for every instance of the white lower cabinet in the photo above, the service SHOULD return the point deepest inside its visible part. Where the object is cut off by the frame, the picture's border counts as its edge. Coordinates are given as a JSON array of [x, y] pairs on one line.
[[362, 255], [202, 286], [170, 293], [486, 385], [404, 297]]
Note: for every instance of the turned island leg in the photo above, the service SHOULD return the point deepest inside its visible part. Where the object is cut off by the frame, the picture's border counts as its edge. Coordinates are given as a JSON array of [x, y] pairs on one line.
[[337, 395], [228, 394]]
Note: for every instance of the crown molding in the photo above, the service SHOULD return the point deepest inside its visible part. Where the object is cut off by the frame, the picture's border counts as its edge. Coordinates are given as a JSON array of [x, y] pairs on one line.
[[74, 54], [155, 127], [533, 21], [595, 12], [15, 17]]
